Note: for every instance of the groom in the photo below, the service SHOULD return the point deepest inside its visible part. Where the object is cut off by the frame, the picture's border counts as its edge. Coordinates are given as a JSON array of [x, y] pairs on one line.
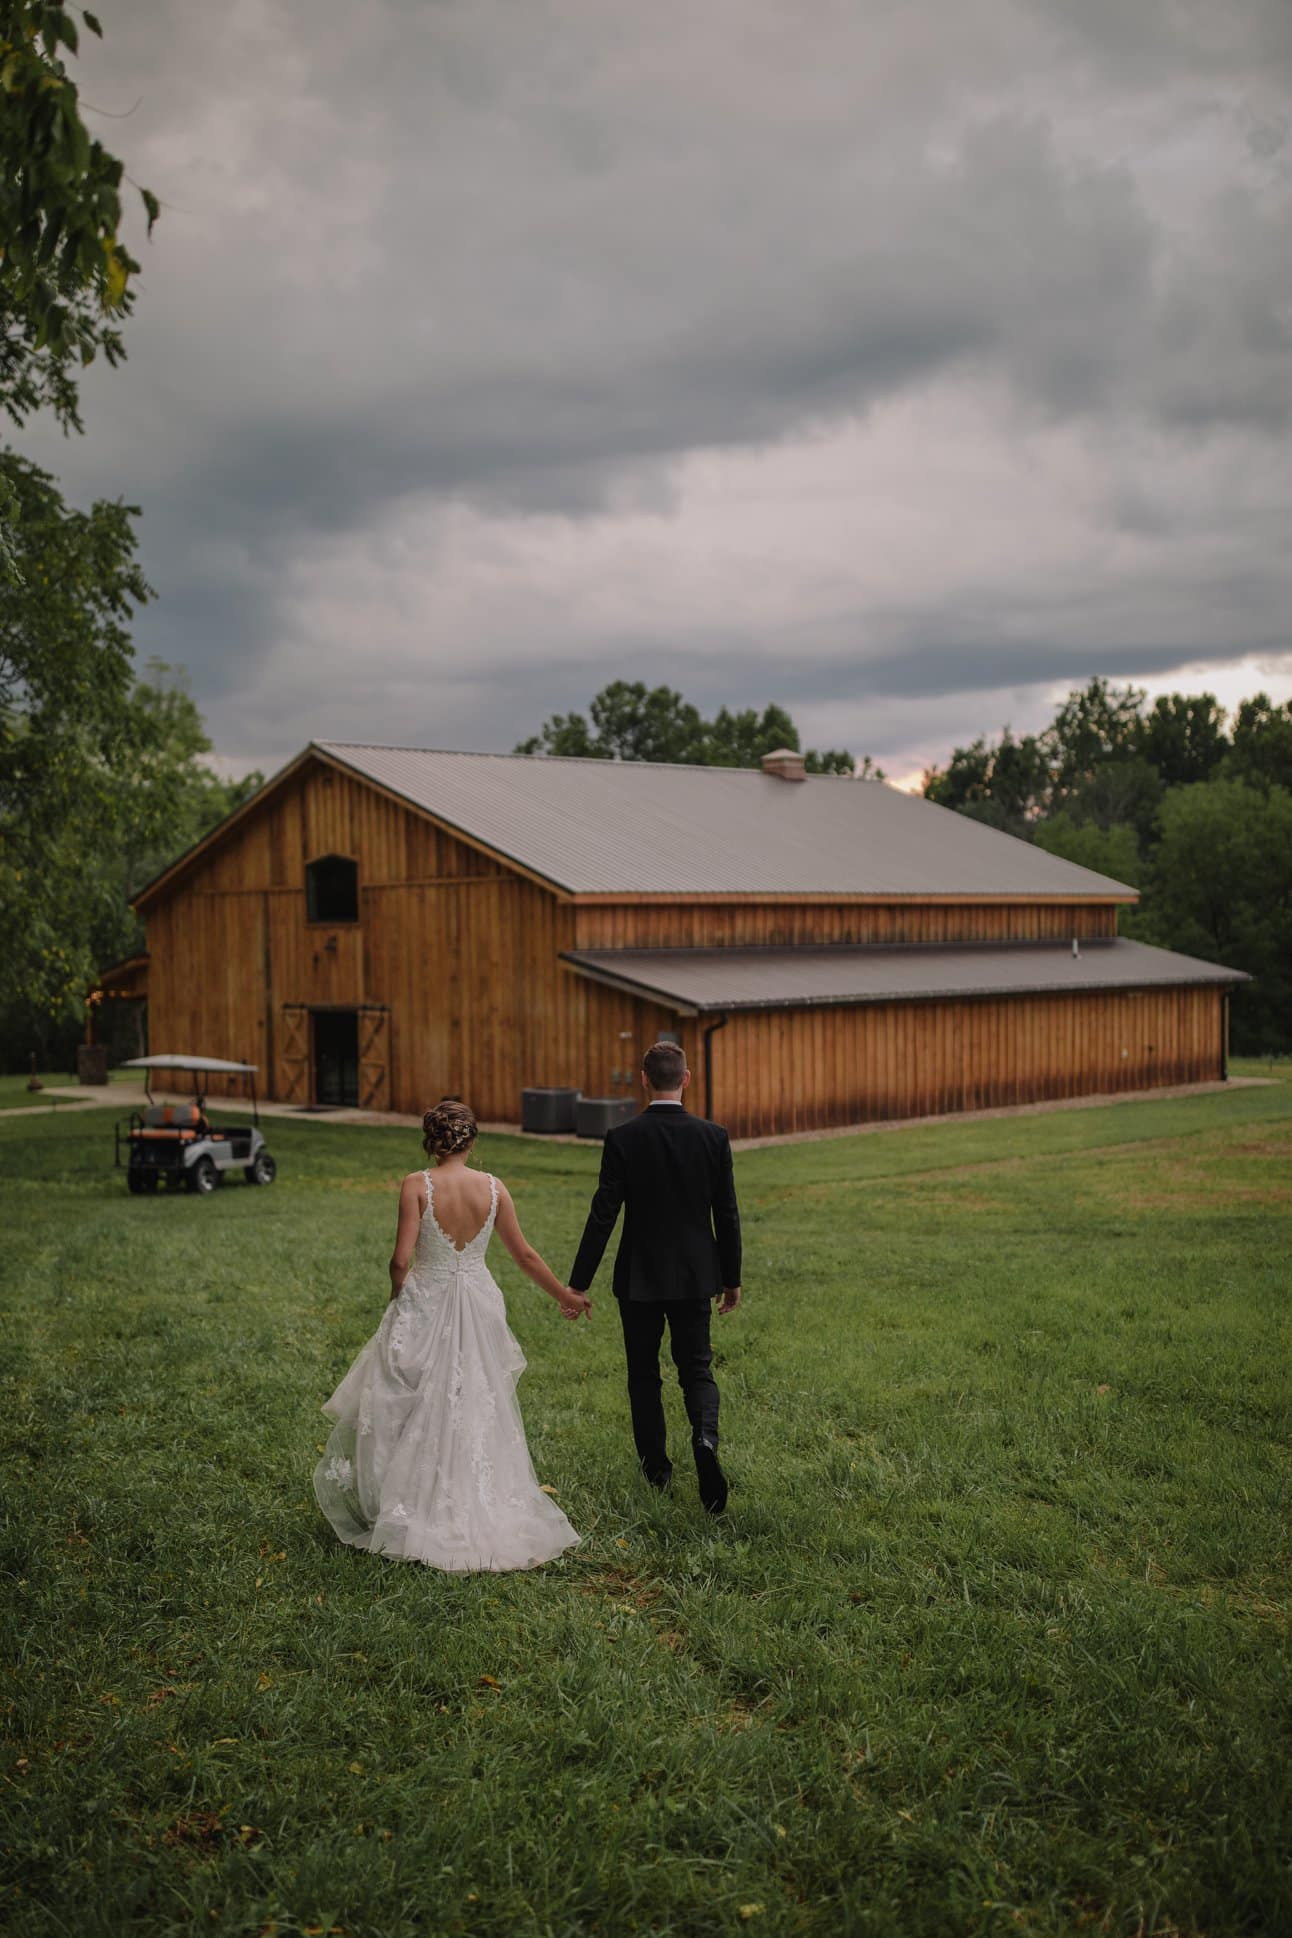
[[680, 1249]]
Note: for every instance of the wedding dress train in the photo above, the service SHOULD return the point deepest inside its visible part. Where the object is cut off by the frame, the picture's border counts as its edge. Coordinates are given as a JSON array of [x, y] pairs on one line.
[[427, 1460]]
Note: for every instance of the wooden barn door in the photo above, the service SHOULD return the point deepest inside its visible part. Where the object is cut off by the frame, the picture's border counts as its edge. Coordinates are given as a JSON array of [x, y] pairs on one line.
[[374, 1058], [294, 1055]]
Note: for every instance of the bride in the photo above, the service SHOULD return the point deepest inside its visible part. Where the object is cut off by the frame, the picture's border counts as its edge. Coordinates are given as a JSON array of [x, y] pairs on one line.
[[427, 1460]]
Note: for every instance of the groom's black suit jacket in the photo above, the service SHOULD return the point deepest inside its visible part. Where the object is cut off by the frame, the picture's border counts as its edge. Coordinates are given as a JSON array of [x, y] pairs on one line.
[[671, 1173]]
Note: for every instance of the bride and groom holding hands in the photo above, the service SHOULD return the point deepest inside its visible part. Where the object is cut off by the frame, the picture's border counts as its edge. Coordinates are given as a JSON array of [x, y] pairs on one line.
[[427, 1459]]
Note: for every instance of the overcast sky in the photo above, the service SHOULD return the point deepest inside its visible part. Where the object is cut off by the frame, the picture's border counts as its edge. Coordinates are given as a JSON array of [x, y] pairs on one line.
[[902, 363]]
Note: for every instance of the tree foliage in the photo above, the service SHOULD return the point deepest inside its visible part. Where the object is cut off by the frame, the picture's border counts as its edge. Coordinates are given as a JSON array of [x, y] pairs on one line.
[[65, 273], [102, 776], [1183, 738], [67, 731], [1110, 851], [1165, 800], [1219, 885], [1260, 748], [629, 721]]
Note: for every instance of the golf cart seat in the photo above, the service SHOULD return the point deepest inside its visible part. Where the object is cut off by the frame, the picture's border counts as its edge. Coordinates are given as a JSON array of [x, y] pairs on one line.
[[174, 1117]]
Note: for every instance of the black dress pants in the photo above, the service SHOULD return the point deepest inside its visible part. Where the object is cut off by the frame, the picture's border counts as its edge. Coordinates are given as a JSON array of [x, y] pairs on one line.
[[688, 1338]]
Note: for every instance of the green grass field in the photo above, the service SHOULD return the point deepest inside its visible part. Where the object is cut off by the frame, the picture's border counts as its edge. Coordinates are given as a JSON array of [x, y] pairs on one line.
[[994, 1639], [14, 1094]]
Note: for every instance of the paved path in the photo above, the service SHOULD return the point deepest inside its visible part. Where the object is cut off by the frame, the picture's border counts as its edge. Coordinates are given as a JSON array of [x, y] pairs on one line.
[[123, 1098]]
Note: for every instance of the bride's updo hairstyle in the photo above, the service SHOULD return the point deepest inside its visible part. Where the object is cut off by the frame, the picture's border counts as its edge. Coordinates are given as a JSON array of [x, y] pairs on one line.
[[449, 1128]]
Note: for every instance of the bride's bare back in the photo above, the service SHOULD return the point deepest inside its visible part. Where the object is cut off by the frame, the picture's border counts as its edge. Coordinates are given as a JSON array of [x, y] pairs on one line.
[[462, 1201]]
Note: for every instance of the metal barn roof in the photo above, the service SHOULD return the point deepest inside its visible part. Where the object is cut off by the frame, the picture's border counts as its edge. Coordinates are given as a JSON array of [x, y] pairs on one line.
[[700, 980], [641, 828]]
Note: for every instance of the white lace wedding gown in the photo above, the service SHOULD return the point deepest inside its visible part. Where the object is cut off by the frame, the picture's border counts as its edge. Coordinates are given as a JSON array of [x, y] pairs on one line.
[[428, 1459]]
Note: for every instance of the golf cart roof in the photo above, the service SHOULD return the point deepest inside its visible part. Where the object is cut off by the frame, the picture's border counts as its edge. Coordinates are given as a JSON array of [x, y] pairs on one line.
[[210, 1063]]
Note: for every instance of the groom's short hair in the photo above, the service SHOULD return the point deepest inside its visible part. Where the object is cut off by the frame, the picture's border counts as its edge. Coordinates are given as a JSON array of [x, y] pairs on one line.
[[664, 1066]]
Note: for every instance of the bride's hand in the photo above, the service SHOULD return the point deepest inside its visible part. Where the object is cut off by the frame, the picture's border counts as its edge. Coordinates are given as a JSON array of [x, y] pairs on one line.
[[573, 1304]]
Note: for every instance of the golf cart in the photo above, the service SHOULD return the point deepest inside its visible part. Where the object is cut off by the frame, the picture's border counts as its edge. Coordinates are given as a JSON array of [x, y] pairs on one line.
[[177, 1142]]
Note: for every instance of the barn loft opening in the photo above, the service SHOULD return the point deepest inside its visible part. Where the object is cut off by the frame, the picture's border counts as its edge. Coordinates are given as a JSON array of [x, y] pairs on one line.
[[332, 889]]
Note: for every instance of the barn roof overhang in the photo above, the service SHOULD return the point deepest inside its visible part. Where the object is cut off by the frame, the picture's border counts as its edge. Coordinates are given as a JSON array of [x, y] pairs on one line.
[[700, 982], [127, 978]]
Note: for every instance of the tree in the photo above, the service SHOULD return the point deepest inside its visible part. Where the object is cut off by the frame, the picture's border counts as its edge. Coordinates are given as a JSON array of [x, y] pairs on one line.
[[965, 780], [1112, 851], [1095, 725], [66, 728], [1261, 748], [168, 797], [1123, 792], [1183, 737], [124, 819], [741, 739], [65, 274], [1165, 802], [630, 721], [1220, 886], [1101, 759], [1006, 785]]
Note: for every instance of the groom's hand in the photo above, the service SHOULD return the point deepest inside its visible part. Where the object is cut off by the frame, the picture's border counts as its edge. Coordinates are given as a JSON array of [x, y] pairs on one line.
[[729, 1301]]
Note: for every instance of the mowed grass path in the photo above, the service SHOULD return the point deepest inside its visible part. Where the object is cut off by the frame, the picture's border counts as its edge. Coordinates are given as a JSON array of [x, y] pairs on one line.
[[994, 1641]]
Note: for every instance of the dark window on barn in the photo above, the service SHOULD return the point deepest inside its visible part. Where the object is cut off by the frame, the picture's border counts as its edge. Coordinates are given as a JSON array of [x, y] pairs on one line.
[[332, 889]]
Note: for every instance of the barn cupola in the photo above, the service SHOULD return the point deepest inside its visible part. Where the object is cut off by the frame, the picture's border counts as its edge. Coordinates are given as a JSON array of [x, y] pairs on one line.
[[785, 764]]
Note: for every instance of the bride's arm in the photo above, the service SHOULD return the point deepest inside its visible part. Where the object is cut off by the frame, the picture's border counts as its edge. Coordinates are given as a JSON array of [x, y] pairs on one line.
[[410, 1218], [507, 1226]]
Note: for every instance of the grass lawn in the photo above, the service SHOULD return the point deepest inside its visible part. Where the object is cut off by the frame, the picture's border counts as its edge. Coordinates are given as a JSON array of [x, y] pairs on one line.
[[14, 1094], [995, 1640]]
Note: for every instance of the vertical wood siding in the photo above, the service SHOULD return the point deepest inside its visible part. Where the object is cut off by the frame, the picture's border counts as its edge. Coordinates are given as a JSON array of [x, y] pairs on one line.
[[807, 1069], [464, 954], [718, 925]]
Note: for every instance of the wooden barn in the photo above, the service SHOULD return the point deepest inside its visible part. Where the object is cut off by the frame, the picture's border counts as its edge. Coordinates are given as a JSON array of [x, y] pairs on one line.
[[383, 925]]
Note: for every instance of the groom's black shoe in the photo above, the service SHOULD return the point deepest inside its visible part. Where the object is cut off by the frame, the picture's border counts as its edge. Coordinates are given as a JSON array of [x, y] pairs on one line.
[[713, 1482], [660, 1478]]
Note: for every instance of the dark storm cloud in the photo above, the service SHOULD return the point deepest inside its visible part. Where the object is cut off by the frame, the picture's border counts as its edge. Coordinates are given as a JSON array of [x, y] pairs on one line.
[[527, 260]]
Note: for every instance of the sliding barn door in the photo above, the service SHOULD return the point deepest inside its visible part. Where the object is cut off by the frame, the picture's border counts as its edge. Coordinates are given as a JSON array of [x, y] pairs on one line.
[[374, 1058], [293, 1085]]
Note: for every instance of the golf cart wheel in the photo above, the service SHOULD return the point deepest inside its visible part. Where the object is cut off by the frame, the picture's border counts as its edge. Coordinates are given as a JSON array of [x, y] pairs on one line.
[[148, 1182], [134, 1181], [203, 1177], [261, 1170]]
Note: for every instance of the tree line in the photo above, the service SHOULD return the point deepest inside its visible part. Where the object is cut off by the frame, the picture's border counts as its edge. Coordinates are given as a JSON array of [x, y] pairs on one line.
[[1175, 799], [628, 720]]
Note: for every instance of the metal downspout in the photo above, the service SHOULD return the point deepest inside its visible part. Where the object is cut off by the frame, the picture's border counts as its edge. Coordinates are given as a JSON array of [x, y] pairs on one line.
[[709, 1035]]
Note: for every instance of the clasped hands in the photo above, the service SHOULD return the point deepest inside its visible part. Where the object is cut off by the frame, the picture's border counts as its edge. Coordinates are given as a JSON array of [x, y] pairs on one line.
[[574, 1304]]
